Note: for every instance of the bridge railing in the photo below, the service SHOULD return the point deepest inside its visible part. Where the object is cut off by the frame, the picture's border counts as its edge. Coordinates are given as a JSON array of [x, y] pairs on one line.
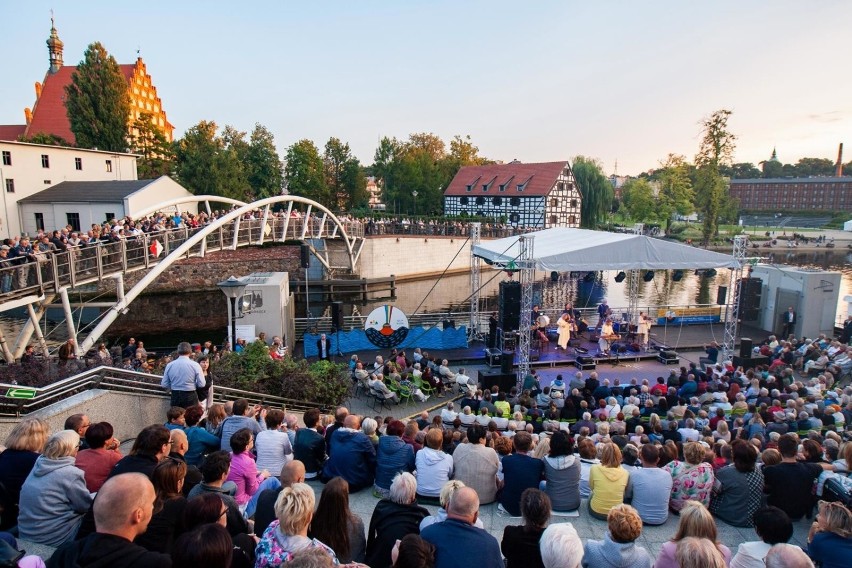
[[48, 272], [132, 382]]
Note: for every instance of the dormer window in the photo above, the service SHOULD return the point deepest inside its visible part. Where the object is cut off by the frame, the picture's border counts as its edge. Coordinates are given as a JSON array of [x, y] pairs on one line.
[[469, 187]]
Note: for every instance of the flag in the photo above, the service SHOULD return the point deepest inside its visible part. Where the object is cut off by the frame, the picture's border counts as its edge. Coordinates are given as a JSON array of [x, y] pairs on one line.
[[156, 249]]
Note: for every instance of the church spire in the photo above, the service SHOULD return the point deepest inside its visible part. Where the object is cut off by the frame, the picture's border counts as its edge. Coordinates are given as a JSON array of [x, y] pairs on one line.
[[54, 47], [774, 157]]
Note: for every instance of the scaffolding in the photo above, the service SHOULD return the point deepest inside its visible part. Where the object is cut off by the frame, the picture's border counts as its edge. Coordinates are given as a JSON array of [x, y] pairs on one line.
[[526, 264], [473, 330], [732, 307]]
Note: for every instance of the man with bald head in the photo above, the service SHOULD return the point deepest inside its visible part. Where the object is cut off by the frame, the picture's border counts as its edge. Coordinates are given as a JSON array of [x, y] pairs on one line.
[[180, 445], [264, 505], [123, 509], [458, 543], [351, 456]]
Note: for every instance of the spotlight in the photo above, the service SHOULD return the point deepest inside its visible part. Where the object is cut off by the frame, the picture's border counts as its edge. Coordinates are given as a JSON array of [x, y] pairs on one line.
[[648, 276], [710, 273], [677, 275], [589, 277], [554, 276], [620, 276]]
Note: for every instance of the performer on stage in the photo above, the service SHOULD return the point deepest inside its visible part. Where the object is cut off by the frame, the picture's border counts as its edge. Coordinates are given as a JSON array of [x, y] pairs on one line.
[[607, 336], [534, 315], [564, 324], [493, 322], [604, 311], [643, 330]]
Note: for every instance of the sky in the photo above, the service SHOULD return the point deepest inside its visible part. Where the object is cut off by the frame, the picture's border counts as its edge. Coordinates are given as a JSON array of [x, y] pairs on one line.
[[620, 81]]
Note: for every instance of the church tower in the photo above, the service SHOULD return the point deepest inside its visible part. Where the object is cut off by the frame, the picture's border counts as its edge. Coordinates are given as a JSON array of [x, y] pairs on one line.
[[54, 48]]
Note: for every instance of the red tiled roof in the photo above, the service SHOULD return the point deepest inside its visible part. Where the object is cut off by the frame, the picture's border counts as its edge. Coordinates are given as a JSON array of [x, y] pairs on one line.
[[49, 114], [537, 179], [11, 131]]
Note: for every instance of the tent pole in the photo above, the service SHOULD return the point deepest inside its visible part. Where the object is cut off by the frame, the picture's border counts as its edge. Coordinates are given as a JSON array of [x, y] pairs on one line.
[[526, 263], [632, 299], [473, 332], [732, 308]]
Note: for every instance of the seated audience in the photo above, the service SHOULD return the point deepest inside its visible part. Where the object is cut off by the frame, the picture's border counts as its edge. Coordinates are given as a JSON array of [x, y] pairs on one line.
[[560, 547], [695, 521], [476, 465], [337, 526], [773, 526], [244, 471], [434, 467], [208, 508], [352, 456], [264, 510], [440, 515], [309, 445], [738, 488], [208, 545], [787, 556], [151, 445], [520, 544], [98, 460], [24, 444], [650, 487], [393, 518], [201, 442], [167, 522], [789, 484], [273, 444], [830, 536], [692, 479], [562, 473], [695, 552], [214, 471], [608, 482], [393, 456], [520, 472], [244, 416], [413, 552], [618, 547]]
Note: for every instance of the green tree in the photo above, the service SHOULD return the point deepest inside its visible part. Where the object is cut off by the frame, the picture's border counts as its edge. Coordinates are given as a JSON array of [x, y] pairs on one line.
[[46, 139], [638, 199], [303, 172], [156, 155], [210, 164], [97, 102], [464, 152], [596, 190], [265, 169], [675, 195], [742, 170], [334, 160], [715, 151], [808, 167]]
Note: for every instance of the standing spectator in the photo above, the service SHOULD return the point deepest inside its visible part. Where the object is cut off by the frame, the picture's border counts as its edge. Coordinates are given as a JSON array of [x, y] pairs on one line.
[[243, 417], [122, 512], [618, 548], [520, 472], [352, 456], [520, 544], [67, 352], [393, 518], [393, 456], [738, 489], [608, 482], [561, 546], [103, 453], [789, 484], [458, 543], [204, 392], [651, 487], [476, 465], [562, 471], [695, 521], [183, 376], [773, 526], [54, 497], [273, 444], [691, 479], [243, 468], [434, 467], [23, 447], [335, 525], [830, 536]]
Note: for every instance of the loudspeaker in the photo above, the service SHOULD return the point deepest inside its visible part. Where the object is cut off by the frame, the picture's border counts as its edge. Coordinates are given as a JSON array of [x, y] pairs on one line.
[[745, 347], [305, 256], [449, 324], [554, 276], [506, 362], [722, 295], [504, 381], [510, 305], [750, 362], [751, 290], [337, 315]]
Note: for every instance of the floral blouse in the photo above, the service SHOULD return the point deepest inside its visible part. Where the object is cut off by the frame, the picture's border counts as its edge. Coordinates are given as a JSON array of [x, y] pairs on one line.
[[275, 549], [690, 482]]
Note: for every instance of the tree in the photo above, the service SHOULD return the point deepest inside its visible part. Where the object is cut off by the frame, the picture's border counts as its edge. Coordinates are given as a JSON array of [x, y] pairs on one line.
[[464, 153], [675, 195], [264, 166], [156, 155], [209, 164], [742, 170], [715, 150], [97, 102], [303, 172], [334, 161], [772, 169], [809, 167], [46, 139], [638, 198], [596, 190]]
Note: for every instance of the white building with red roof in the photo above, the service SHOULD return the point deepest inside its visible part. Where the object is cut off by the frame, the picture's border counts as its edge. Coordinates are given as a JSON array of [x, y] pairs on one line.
[[537, 196]]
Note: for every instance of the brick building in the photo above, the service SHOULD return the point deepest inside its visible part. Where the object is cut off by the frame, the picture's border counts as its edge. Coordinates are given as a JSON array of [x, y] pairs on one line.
[[794, 194]]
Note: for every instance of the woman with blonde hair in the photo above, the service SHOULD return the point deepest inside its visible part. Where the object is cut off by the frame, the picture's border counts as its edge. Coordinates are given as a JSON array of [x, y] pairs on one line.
[[692, 479], [542, 448], [23, 446], [830, 537], [698, 553], [695, 521], [288, 534], [215, 415], [54, 497], [608, 482], [722, 432], [619, 542]]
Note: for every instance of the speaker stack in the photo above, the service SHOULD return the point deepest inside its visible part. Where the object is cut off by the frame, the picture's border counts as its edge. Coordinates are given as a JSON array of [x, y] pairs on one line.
[[504, 381], [751, 290], [337, 316], [745, 347], [510, 305]]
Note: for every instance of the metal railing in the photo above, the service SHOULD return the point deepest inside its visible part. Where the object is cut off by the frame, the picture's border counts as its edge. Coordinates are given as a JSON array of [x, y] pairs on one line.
[[129, 382], [439, 228], [46, 272]]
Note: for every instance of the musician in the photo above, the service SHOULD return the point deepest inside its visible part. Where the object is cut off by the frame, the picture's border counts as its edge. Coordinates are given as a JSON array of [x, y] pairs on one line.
[[607, 336], [643, 329], [604, 311], [564, 325], [493, 323], [534, 315]]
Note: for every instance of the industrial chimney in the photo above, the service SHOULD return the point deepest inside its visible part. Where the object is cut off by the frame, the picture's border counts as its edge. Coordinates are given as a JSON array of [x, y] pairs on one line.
[[838, 171]]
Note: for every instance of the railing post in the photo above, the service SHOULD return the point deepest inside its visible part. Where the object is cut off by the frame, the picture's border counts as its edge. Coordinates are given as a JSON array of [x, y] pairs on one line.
[[146, 250], [123, 255], [99, 259]]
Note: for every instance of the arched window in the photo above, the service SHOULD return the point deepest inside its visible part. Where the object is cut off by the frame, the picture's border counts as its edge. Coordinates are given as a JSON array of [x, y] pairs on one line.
[[515, 201], [497, 200], [480, 200]]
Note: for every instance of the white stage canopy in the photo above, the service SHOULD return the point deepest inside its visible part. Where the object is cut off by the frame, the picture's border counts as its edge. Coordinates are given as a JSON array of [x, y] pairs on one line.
[[574, 250]]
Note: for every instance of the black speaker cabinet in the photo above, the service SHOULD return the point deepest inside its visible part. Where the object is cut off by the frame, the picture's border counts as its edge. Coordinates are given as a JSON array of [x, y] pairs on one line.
[[510, 305], [305, 256], [668, 358], [504, 381], [750, 362], [722, 295], [507, 360], [745, 347], [337, 315], [584, 363]]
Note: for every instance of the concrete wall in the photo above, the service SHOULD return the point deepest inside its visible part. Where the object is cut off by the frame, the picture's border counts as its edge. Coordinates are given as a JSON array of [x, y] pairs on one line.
[[161, 190], [410, 256], [128, 413]]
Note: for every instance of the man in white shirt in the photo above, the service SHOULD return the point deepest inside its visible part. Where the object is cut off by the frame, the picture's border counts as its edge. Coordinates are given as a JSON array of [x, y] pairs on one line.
[[688, 433], [465, 381]]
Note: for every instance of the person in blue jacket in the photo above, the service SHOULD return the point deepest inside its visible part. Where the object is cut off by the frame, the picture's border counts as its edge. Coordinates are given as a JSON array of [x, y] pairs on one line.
[[830, 537], [353, 456], [393, 456]]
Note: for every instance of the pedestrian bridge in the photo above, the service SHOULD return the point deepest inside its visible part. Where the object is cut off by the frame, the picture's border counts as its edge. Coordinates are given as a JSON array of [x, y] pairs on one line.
[[36, 283]]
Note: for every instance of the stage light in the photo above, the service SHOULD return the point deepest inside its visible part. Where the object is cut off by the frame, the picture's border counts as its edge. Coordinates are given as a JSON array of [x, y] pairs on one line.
[[677, 275], [554, 276], [620, 276], [589, 277], [710, 273], [648, 276]]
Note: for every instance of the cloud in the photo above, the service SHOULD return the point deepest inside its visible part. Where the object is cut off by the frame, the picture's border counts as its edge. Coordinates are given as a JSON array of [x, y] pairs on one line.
[[830, 116]]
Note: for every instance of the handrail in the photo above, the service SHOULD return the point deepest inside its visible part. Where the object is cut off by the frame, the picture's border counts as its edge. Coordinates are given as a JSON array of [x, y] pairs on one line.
[[123, 380]]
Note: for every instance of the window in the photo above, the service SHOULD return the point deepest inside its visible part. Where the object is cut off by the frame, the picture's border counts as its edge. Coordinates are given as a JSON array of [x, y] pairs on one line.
[[78, 164], [10, 186], [515, 201], [554, 202], [573, 203], [45, 161], [7, 158], [561, 186], [39, 219], [553, 221], [497, 200], [110, 217], [480, 200], [572, 220], [47, 182], [464, 200], [109, 165], [73, 220]]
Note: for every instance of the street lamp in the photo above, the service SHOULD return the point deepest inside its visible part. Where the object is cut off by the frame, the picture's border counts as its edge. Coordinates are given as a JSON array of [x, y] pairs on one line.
[[414, 193], [233, 288]]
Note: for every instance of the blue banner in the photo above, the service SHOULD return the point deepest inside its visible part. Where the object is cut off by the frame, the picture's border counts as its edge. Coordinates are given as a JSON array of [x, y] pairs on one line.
[[356, 340]]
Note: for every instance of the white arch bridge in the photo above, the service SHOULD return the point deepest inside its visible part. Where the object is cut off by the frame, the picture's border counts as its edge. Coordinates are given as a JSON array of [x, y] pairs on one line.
[[36, 284]]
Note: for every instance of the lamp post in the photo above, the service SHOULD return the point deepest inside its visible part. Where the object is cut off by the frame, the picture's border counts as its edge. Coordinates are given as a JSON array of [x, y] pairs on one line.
[[414, 193], [233, 288]]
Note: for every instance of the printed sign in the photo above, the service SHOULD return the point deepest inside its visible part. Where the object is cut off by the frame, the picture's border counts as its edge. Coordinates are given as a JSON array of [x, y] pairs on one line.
[[386, 326]]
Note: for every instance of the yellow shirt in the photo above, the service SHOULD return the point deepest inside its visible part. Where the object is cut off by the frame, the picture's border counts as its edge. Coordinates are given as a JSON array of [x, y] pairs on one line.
[[504, 405], [608, 485]]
